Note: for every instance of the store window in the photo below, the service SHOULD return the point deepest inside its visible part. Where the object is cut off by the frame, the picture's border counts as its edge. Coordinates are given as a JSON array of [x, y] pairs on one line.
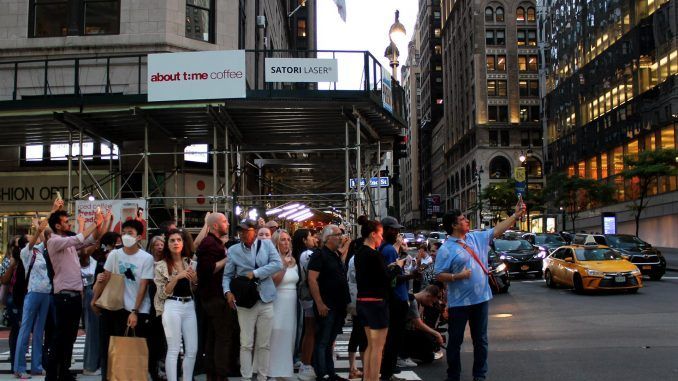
[[57, 18], [668, 138], [603, 165], [200, 20], [34, 152], [617, 160]]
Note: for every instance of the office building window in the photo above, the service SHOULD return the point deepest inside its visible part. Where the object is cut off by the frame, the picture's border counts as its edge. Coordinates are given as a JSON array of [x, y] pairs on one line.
[[527, 37], [529, 113], [499, 14], [497, 114], [528, 63], [492, 88], [489, 14], [301, 28], [520, 14], [56, 18], [528, 88], [490, 63], [531, 14], [524, 138], [505, 141], [495, 37], [200, 20], [494, 138]]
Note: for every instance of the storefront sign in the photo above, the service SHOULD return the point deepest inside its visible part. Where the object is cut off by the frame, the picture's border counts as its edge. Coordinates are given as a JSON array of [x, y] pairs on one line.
[[196, 75], [386, 94], [301, 70]]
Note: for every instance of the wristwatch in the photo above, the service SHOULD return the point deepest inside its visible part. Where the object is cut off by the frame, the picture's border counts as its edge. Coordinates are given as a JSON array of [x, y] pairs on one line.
[[134, 310]]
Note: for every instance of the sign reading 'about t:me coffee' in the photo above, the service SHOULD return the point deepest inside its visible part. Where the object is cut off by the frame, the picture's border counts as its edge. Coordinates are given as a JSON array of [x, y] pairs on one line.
[[301, 70], [196, 75]]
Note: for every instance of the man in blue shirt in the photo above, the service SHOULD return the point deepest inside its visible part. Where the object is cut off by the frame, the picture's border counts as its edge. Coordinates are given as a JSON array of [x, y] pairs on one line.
[[462, 264]]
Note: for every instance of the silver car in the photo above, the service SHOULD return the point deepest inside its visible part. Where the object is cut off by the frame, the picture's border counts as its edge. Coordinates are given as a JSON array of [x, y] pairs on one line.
[[435, 237]]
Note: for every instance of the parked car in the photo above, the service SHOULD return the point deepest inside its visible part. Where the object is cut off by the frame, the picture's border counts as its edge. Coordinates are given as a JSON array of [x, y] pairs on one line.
[[409, 239], [522, 257], [649, 260], [591, 267], [547, 241], [499, 269], [434, 237]]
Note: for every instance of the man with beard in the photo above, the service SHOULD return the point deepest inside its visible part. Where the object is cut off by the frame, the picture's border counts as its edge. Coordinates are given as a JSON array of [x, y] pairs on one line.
[[62, 248], [398, 302], [222, 338]]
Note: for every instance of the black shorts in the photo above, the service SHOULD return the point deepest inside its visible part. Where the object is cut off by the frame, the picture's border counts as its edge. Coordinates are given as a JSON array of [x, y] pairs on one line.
[[373, 315]]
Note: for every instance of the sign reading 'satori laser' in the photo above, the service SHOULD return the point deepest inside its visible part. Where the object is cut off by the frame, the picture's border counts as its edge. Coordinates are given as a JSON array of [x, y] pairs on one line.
[[196, 75], [301, 70]]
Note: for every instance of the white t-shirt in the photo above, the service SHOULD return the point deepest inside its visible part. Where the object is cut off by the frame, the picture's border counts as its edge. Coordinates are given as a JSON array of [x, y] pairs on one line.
[[134, 267]]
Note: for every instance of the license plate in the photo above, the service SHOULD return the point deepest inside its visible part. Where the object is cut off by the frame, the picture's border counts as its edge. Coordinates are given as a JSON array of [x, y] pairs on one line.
[[620, 279], [524, 267], [647, 267]]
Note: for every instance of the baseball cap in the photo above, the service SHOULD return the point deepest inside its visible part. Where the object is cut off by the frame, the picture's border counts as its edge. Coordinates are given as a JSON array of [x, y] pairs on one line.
[[391, 222], [271, 224], [247, 224]]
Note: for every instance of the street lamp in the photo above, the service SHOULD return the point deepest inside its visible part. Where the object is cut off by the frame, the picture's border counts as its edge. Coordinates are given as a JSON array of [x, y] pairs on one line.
[[397, 36], [524, 161]]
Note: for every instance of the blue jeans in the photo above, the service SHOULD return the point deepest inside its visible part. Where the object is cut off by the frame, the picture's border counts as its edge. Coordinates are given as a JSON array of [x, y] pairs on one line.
[[91, 360], [36, 306], [476, 316], [326, 330]]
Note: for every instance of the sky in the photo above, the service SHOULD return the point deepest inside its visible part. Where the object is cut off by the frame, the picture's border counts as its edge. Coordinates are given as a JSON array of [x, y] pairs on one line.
[[366, 28]]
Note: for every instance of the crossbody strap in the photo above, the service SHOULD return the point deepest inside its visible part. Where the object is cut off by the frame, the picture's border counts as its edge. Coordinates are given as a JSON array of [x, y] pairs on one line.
[[473, 254], [30, 267]]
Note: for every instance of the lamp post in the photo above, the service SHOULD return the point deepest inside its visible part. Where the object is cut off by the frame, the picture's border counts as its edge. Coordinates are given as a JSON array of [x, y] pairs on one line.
[[524, 161], [479, 200], [396, 35]]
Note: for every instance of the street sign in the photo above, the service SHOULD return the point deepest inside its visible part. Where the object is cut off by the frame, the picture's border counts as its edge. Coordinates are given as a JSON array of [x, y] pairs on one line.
[[375, 182], [519, 174]]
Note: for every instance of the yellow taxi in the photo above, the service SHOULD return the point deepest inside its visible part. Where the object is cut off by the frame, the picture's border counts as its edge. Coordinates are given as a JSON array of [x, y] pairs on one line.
[[591, 267]]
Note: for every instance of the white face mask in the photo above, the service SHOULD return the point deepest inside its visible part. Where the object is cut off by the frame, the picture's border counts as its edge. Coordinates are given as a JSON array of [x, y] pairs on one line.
[[128, 240]]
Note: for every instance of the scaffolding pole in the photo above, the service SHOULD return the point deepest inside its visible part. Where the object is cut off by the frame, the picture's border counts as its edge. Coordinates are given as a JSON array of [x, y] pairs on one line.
[[69, 192], [145, 186], [227, 179], [358, 172], [348, 176], [215, 176], [80, 165], [175, 204]]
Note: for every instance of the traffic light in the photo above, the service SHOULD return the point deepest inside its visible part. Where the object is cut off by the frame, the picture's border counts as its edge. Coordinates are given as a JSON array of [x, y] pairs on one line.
[[400, 147]]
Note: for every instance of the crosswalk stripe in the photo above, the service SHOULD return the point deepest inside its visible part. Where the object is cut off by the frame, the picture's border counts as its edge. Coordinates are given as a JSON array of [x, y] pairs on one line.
[[340, 364]]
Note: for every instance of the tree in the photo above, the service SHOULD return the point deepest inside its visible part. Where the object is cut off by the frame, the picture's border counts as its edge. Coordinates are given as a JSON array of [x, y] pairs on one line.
[[575, 194], [501, 197], [644, 171]]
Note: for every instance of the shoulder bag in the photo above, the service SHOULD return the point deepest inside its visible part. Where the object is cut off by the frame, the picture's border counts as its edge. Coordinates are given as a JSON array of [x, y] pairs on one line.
[[494, 286], [246, 290]]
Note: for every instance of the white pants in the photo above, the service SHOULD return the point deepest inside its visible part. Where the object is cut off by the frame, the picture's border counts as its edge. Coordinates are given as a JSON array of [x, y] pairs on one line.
[[259, 318], [178, 319]]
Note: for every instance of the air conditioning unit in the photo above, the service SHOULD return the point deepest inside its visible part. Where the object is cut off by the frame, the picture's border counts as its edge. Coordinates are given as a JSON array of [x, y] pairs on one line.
[[261, 21]]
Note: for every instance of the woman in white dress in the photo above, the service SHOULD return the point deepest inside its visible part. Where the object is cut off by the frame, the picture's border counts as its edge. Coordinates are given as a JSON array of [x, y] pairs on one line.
[[281, 365]]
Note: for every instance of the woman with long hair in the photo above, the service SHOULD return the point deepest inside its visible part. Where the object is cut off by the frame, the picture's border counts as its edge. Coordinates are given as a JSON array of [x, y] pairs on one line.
[[303, 246], [373, 281], [156, 246], [175, 280], [281, 363]]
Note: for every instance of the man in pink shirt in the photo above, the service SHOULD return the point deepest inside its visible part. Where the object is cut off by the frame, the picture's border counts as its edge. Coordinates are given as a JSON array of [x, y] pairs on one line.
[[62, 249]]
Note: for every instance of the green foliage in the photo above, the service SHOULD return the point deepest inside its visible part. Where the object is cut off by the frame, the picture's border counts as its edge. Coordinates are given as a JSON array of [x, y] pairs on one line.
[[501, 197], [575, 194], [644, 170]]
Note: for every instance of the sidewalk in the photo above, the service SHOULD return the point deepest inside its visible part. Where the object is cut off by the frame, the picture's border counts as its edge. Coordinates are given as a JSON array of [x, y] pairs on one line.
[[671, 255]]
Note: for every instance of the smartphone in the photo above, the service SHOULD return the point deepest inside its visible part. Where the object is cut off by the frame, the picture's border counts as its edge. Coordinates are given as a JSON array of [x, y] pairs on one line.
[[194, 265], [58, 197], [98, 209], [140, 212]]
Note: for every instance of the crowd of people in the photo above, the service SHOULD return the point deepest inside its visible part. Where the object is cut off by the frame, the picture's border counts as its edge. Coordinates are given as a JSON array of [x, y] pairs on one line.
[[266, 303]]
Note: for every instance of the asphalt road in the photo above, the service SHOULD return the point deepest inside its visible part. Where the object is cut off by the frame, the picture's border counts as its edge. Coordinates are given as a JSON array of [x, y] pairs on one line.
[[558, 335]]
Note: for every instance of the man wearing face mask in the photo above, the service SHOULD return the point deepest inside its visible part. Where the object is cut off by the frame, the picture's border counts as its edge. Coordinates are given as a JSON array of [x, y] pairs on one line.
[[137, 267], [62, 249]]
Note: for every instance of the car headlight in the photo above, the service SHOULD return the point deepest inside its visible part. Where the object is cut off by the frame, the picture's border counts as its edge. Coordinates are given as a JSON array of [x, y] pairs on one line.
[[500, 268], [594, 273], [635, 272]]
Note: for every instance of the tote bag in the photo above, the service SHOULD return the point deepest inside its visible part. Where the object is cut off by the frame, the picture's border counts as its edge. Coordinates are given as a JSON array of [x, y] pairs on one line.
[[112, 297]]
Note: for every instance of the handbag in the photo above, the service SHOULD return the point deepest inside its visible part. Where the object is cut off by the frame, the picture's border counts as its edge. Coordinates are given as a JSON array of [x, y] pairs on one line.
[[127, 358], [246, 290], [494, 285], [112, 297]]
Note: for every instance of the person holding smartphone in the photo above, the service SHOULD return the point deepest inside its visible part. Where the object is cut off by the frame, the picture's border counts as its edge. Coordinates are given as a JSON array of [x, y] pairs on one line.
[[462, 265]]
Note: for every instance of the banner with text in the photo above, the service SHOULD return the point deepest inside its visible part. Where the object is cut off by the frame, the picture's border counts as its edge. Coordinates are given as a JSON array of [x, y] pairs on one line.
[[196, 75], [301, 70], [122, 210]]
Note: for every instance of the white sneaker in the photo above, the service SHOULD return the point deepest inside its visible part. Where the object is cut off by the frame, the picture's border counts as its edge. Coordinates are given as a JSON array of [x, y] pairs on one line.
[[86, 372], [298, 364], [306, 373], [438, 355], [406, 363]]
